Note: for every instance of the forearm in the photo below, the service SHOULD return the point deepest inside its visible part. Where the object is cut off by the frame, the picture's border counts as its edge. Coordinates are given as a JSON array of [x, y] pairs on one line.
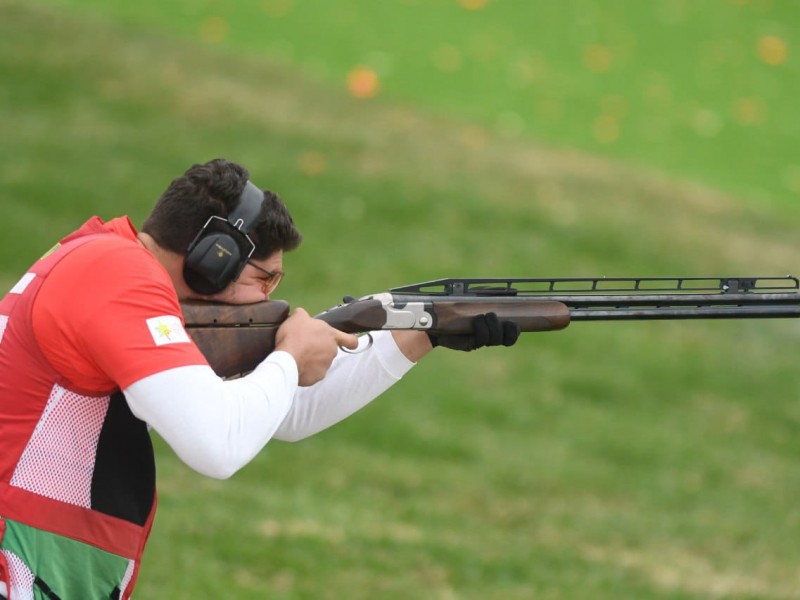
[[216, 426], [413, 344], [353, 381]]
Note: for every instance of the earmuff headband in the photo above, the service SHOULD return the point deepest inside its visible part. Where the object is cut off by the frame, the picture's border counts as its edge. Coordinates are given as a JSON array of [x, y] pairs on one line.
[[246, 213]]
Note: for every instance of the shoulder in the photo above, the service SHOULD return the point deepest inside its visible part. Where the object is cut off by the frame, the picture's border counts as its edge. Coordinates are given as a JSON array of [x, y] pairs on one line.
[[96, 314], [113, 263], [106, 275]]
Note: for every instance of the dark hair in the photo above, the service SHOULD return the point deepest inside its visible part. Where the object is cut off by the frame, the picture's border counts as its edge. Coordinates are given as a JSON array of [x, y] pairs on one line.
[[213, 189]]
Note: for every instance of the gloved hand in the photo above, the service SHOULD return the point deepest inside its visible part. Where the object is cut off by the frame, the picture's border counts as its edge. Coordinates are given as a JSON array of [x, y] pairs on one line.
[[488, 330]]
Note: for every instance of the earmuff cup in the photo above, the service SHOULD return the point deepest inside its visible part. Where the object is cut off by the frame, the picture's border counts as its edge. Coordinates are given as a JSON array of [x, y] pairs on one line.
[[220, 251], [214, 261]]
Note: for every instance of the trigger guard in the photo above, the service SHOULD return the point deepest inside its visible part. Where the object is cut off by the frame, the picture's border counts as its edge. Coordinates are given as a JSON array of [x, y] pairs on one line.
[[359, 350]]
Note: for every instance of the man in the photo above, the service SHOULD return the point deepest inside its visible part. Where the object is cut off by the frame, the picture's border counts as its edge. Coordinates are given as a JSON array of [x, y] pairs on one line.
[[93, 352]]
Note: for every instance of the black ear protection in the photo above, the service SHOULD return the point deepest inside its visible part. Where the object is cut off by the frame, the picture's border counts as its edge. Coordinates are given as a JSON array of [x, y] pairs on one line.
[[220, 251]]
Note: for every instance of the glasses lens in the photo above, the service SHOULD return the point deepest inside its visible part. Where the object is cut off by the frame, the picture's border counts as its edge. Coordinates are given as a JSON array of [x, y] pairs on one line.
[[272, 281]]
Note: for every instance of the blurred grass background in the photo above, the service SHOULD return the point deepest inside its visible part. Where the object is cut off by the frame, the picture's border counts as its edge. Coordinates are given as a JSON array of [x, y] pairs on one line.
[[421, 139]]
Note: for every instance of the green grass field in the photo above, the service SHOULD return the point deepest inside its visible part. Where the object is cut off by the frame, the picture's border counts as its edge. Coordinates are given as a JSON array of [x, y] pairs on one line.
[[644, 461]]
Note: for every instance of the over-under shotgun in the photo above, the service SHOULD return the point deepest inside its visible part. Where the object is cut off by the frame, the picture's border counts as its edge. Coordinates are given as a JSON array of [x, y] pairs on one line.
[[235, 339]]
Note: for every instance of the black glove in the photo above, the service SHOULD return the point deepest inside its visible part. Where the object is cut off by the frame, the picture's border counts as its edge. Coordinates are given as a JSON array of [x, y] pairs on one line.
[[488, 330]]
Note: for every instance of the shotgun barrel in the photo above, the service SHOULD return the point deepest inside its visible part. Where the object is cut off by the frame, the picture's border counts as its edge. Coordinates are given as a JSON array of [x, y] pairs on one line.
[[235, 338]]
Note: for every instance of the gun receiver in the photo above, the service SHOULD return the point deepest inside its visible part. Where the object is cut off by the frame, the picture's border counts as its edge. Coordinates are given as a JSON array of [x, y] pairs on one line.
[[236, 338]]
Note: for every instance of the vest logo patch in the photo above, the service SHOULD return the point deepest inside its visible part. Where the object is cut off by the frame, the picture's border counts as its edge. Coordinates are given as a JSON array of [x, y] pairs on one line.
[[49, 252], [167, 330]]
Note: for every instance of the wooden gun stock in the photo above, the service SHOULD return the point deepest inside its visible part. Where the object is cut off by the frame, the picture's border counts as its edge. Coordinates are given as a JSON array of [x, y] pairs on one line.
[[234, 338]]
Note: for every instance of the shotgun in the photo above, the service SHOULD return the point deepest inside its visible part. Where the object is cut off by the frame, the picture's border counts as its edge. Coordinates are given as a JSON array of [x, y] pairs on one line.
[[235, 338]]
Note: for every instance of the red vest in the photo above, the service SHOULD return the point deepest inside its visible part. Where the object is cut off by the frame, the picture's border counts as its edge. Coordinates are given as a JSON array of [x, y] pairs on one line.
[[74, 463]]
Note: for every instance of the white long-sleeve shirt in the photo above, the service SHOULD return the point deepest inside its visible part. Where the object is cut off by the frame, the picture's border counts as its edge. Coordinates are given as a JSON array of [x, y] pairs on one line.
[[216, 427]]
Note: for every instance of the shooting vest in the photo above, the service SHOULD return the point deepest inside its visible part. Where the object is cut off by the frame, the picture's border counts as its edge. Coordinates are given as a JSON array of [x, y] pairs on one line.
[[77, 475]]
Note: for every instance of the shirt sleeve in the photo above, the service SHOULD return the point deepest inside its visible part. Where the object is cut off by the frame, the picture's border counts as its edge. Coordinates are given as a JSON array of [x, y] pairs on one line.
[[215, 426], [108, 315], [352, 382]]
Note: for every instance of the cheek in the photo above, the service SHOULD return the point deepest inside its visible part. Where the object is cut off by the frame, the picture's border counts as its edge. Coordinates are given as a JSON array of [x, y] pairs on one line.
[[246, 293], [241, 293], [226, 295]]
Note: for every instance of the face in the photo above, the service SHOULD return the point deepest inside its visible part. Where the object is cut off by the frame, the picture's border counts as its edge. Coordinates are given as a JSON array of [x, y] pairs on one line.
[[255, 284]]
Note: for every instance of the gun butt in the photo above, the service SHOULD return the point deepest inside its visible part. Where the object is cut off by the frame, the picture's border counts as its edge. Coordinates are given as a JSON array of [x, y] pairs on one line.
[[234, 338], [234, 351]]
